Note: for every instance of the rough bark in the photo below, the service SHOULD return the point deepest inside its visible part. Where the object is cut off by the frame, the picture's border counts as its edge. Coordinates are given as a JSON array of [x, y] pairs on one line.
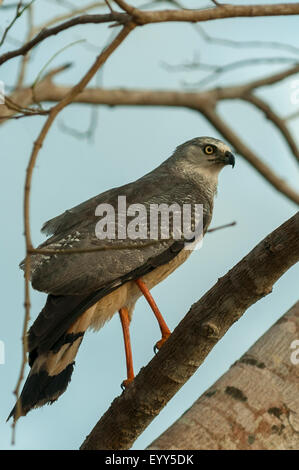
[[206, 322], [254, 405]]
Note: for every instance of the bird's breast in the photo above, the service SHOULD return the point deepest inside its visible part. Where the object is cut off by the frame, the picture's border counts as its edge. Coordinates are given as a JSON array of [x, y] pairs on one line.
[[127, 294]]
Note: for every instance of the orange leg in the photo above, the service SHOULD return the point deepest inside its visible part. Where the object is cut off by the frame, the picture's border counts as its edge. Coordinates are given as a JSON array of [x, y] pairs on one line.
[[125, 323], [163, 327]]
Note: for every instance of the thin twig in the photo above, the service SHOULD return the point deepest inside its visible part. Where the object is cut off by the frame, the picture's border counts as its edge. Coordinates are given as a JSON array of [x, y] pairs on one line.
[[25, 58], [109, 6], [19, 11], [79, 134], [126, 7], [72, 251], [221, 69], [66, 16], [46, 33], [195, 65], [245, 44], [220, 227], [112, 246]]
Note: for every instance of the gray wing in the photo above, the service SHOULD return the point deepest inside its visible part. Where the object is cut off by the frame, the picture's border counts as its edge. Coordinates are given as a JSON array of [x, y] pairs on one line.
[[83, 273], [137, 191]]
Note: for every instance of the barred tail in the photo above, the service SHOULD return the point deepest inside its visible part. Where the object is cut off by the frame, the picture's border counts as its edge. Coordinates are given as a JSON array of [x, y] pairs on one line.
[[51, 371]]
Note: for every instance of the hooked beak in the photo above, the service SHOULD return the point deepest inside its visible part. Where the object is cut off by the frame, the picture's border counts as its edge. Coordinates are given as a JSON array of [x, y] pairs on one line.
[[229, 159]]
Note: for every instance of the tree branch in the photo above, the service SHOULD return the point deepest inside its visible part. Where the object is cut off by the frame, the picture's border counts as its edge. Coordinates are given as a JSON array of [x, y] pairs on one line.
[[276, 120], [46, 33], [272, 79], [205, 323], [204, 102], [220, 12], [70, 14], [141, 18]]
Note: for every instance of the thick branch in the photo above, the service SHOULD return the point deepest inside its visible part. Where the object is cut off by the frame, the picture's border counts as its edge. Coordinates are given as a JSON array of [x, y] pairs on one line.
[[220, 12], [48, 91], [253, 405], [200, 101], [206, 322], [160, 16]]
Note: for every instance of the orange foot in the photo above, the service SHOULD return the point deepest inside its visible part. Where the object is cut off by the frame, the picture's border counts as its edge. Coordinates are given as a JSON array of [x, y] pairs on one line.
[[160, 343], [126, 383]]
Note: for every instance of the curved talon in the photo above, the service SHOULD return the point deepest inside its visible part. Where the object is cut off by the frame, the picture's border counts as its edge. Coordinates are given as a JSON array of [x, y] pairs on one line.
[[160, 343], [126, 383]]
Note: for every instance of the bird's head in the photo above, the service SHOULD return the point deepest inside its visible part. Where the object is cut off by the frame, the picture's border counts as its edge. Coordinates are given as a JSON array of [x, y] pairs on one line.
[[204, 155]]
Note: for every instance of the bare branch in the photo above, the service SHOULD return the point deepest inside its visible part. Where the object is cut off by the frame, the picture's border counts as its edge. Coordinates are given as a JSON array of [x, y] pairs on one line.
[[46, 33], [25, 59], [82, 134], [147, 17], [218, 69], [277, 121], [20, 8], [112, 246], [109, 6], [272, 79], [239, 44], [205, 323], [204, 102], [221, 69], [66, 16], [221, 12], [11, 5], [126, 7], [220, 227]]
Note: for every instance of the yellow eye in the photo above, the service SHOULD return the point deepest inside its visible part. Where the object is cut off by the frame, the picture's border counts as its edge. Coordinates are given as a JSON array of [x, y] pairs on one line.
[[209, 149]]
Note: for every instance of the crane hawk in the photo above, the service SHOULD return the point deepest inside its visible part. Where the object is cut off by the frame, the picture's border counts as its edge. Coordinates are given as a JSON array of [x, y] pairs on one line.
[[86, 289]]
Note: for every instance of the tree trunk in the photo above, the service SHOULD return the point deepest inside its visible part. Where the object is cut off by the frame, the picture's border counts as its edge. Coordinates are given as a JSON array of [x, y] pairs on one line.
[[255, 405]]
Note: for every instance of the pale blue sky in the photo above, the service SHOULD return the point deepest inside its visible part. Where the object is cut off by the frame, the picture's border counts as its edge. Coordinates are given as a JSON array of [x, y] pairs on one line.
[[129, 142]]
